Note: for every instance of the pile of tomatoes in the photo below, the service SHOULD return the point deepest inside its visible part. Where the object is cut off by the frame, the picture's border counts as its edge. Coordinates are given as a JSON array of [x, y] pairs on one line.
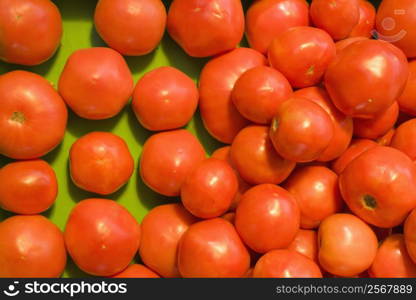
[[316, 177]]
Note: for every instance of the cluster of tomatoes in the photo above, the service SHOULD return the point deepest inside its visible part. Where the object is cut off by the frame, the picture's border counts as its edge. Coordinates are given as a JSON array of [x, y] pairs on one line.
[[316, 177]]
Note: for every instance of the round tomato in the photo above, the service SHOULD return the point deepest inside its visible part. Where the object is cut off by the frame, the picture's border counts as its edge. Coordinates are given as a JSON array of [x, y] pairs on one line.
[[409, 235], [342, 44], [407, 100], [367, 20], [306, 243], [136, 271], [404, 138]]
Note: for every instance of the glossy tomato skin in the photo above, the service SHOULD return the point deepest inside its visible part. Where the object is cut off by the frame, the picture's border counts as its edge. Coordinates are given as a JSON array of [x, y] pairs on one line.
[[367, 20], [374, 187], [216, 82], [96, 83], [100, 162], [167, 158], [31, 246], [206, 28], [385, 140], [31, 31], [30, 106], [162, 228], [212, 248], [132, 27], [164, 98], [302, 54], [306, 243], [404, 138], [101, 236], [407, 100], [27, 187], [342, 44], [256, 160], [136, 271], [258, 93], [409, 235]]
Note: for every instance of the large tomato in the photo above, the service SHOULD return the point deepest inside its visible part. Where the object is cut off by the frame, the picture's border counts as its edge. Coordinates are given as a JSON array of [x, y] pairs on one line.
[[404, 138], [306, 243], [410, 234], [136, 271], [367, 20], [407, 100]]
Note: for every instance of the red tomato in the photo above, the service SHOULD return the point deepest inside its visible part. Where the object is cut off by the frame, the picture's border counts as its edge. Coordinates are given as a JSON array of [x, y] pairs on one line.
[[347, 245], [100, 162], [31, 246], [342, 44], [212, 248], [167, 158], [266, 19], [377, 73], [286, 264], [204, 27], [256, 160], [162, 228], [367, 20], [301, 130], [132, 27], [306, 243], [267, 218], [258, 93], [409, 235], [31, 31], [27, 187], [96, 83], [136, 271], [302, 54], [164, 98], [32, 115], [230, 217], [217, 80], [385, 140], [375, 186], [407, 100], [404, 138], [101, 236]]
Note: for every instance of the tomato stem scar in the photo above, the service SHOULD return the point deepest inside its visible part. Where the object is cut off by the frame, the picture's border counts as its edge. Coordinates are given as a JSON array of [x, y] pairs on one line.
[[369, 202], [18, 116]]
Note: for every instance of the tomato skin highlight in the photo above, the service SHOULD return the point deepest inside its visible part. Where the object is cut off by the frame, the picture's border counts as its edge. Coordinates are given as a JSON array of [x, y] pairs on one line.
[[366, 23], [306, 243]]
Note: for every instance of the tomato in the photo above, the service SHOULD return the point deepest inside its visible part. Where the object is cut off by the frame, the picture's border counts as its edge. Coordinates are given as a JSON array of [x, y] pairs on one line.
[[376, 188], [31, 246], [31, 31], [285, 263], [316, 191], [385, 140], [347, 245], [404, 138], [212, 248], [342, 44], [132, 27], [306, 243], [27, 187], [266, 19], [167, 158], [409, 234], [407, 100], [164, 98], [100, 162], [337, 17], [136, 271], [256, 160], [162, 228], [301, 130], [216, 82], [96, 83], [367, 20], [230, 217], [204, 27], [377, 73], [258, 93], [101, 236], [302, 54], [32, 115]]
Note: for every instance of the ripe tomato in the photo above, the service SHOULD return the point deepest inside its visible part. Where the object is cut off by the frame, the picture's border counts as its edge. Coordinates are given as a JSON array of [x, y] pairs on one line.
[[204, 27], [342, 44], [347, 245], [385, 140], [302, 54], [404, 138], [27, 187], [162, 228], [258, 93], [32, 115], [230, 217], [409, 234], [96, 83], [285, 263], [301, 130], [212, 248], [256, 160], [164, 98], [31, 31], [367, 20], [136, 271], [101, 236], [31, 246], [100, 162], [216, 82], [306, 243], [132, 27], [377, 73], [167, 158], [266, 19], [407, 100]]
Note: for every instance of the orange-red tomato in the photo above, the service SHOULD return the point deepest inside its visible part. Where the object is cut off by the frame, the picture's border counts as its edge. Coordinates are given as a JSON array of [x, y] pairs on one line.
[[409, 234], [31, 246], [101, 236], [136, 271], [342, 44], [31, 31], [230, 217], [32, 115], [132, 27], [404, 138], [167, 158], [164, 98], [367, 20], [407, 100], [306, 243], [27, 187], [96, 83], [385, 140]]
